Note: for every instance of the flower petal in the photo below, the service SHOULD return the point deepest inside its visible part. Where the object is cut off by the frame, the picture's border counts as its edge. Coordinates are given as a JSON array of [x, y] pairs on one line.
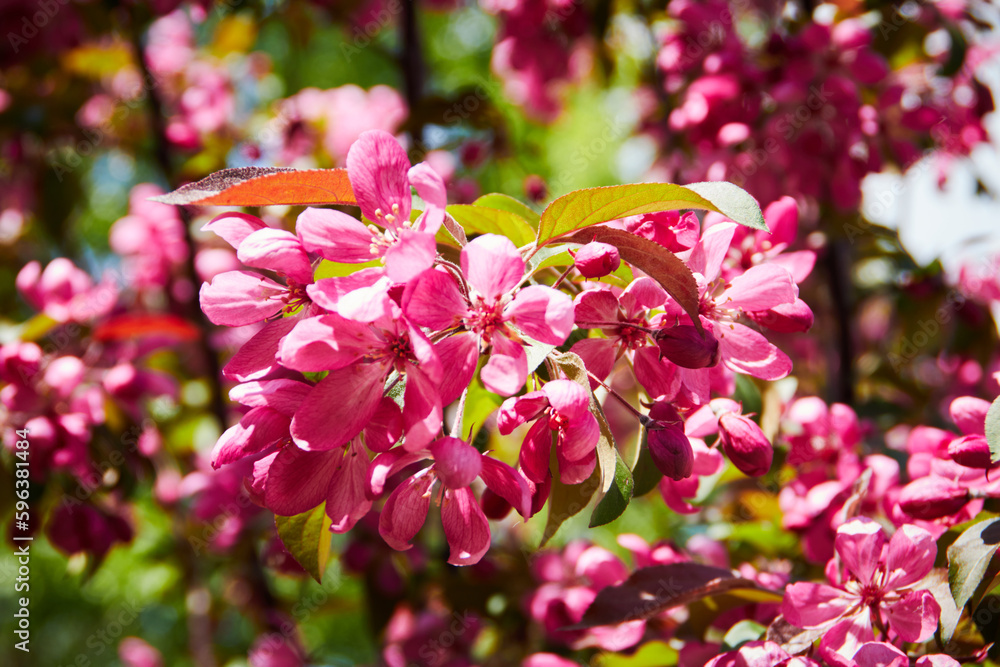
[[911, 555], [335, 236], [338, 407], [492, 265], [346, 502], [507, 483], [258, 357], [259, 429], [405, 511], [598, 355], [859, 543], [279, 251], [325, 343], [433, 300], [595, 306], [706, 257], [235, 298], [465, 527], [760, 287], [458, 355], [507, 368], [297, 481], [410, 256], [915, 617], [809, 605], [377, 166], [543, 313], [746, 351], [234, 227], [431, 188], [534, 456], [421, 411]]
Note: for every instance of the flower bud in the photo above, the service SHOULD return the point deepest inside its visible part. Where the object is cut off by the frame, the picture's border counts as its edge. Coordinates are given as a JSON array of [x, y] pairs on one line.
[[685, 346], [745, 444], [671, 450], [596, 259], [494, 506], [971, 451], [794, 317], [931, 498]]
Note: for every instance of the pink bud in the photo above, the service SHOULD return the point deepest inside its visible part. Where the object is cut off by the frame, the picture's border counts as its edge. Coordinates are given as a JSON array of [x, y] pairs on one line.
[[687, 347], [494, 506], [745, 444], [456, 463], [596, 259], [971, 451], [931, 498], [134, 652], [671, 450]]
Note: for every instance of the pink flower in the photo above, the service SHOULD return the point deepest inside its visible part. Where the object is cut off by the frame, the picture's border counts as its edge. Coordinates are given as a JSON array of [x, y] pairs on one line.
[[456, 466], [760, 654], [360, 357], [381, 176], [877, 590], [64, 292], [562, 406], [487, 311], [673, 230]]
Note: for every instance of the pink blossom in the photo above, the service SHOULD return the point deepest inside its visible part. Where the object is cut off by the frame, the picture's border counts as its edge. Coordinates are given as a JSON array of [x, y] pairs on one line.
[[487, 311], [878, 590], [456, 466], [760, 654], [562, 406], [595, 260]]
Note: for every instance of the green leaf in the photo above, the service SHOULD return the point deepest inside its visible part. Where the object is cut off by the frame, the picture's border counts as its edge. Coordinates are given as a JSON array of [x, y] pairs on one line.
[[645, 474], [482, 220], [307, 538], [656, 261], [651, 654], [969, 557], [741, 633], [592, 206], [616, 500], [508, 203], [328, 269], [568, 500], [993, 430]]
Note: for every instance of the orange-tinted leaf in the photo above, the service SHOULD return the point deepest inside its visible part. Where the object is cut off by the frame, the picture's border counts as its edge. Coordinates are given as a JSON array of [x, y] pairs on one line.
[[265, 186], [125, 327]]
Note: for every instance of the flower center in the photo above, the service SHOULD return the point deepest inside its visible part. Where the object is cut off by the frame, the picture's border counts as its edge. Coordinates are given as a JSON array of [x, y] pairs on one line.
[[485, 318]]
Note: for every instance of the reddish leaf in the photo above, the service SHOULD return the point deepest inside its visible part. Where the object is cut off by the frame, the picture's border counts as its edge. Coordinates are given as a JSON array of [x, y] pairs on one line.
[[265, 186], [652, 590], [125, 327], [656, 261]]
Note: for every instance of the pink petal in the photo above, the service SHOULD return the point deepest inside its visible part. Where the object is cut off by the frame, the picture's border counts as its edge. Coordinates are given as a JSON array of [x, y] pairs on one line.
[[456, 463], [809, 605], [598, 355], [782, 218], [297, 481], [706, 257], [492, 265], [911, 555], [645, 292], [759, 288], [279, 251], [234, 227], [431, 189], [746, 351], [423, 350], [567, 398], [969, 414], [346, 502], [368, 304], [800, 263], [283, 395], [657, 376], [421, 411], [338, 407], [543, 313], [937, 660], [385, 427], [507, 368], [328, 292], [458, 355], [519, 410], [258, 357], [794, 317], [433, 300], [405, 511], [235, 298], [325, 343], [880, 654], [335, 236], [579, 437], [915, 617], [465, 527], [576, 472], [601, 567], [595, 306], [859, 543], [388, 464], [842, 641], [377, 166], [507, 483], [534, 457], [259, 429], [410, 256]]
